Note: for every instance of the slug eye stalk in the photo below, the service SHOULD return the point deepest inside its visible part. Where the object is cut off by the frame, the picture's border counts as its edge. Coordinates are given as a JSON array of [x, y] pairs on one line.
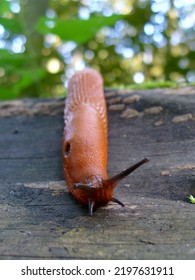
[[108, 184], [114, 199], [117, 178]]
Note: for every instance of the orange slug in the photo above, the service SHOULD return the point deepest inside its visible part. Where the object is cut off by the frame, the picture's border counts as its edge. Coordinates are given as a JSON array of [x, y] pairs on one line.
[[84, 145]]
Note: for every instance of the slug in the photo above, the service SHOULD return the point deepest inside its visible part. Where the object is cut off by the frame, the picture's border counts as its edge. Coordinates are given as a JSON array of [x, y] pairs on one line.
[[84, 145]]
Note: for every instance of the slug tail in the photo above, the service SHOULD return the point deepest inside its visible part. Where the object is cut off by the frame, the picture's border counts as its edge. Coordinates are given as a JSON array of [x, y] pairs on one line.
[[85, 86]]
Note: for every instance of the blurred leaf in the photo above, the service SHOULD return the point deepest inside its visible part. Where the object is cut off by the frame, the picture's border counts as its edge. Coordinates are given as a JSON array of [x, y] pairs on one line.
[[7, 57], [12, 25], [4, 7], [127, 48], [7, 93], [77, 30], [28, 77]]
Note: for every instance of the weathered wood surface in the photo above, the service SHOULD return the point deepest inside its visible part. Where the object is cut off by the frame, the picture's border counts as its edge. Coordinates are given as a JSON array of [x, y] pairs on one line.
[[39, 219]]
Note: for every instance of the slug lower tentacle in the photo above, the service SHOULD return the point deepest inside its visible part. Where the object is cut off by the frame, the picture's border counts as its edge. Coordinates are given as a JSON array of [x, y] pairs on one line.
[[84, 145]]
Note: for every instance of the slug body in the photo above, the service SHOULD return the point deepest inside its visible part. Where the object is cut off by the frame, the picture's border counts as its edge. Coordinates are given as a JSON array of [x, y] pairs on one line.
[[84, 145]]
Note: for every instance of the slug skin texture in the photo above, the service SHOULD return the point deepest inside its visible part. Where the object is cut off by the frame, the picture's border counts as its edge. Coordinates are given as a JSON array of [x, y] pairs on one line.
[[84, 145]]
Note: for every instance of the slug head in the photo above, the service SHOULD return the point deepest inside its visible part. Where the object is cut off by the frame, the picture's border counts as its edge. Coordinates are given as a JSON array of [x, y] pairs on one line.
[[100, 192]]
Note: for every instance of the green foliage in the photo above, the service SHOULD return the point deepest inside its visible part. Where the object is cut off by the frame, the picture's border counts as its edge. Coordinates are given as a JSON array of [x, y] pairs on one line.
[[18, 77], [151, 85], [12, 25], [27, 78], [12, 60], [191, 199], [43, 42], [4, 7], [26, 73], [77, 30]]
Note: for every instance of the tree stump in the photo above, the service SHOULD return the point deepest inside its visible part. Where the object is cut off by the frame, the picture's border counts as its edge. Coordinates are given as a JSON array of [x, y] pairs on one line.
[[40, 219]]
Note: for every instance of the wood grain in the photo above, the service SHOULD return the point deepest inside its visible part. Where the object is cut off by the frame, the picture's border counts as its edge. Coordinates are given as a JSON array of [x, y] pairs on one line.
[[39, 219]]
